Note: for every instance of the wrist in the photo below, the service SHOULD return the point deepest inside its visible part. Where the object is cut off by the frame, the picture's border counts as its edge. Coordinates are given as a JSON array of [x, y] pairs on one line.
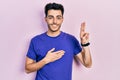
[[85, 44], [46, 60]]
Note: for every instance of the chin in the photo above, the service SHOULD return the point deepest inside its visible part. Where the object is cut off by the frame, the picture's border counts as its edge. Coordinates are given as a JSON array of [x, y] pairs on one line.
[[55, 30]]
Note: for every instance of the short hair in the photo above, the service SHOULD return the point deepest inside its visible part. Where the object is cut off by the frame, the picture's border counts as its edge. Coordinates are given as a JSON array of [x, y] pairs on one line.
[[54, 6]]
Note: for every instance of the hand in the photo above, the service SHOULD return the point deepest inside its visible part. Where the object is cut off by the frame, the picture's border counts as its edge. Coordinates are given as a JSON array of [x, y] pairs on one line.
[[53, 56], [83, 35]]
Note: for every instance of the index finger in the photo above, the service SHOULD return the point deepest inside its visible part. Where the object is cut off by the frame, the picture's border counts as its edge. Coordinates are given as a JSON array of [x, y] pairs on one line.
[[60, 51], [82, 29]]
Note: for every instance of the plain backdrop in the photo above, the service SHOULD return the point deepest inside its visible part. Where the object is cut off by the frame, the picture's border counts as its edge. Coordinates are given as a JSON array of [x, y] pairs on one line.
[[20, 20]]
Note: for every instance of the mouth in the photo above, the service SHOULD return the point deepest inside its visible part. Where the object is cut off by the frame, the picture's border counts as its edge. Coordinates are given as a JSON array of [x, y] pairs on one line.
[[54, 25]]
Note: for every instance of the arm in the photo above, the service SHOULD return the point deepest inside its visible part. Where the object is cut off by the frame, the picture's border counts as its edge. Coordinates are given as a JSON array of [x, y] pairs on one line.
[[51, 56], [85, 55], [32, 66]]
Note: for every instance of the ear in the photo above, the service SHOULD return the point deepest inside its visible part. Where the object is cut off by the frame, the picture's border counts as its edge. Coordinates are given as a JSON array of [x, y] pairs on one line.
[[45, 19], [62, 19]]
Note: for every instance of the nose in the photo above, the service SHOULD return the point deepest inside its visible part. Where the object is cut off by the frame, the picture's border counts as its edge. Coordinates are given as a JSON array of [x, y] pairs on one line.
[[54, 20]]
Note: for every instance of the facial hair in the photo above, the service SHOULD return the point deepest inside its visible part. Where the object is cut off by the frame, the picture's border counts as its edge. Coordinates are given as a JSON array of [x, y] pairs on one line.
[[50, 25]]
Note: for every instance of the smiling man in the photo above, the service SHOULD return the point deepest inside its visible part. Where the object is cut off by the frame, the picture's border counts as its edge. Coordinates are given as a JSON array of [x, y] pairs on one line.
[[51, 53]]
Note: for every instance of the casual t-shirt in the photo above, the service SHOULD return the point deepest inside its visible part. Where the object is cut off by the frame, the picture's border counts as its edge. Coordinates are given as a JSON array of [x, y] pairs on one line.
[[60, 69]]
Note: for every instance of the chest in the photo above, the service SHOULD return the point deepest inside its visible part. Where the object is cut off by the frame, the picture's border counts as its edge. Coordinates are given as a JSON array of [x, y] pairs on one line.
[[43, 47]]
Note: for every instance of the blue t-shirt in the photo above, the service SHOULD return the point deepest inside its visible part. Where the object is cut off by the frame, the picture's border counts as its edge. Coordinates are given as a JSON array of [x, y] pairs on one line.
[[60, 69]]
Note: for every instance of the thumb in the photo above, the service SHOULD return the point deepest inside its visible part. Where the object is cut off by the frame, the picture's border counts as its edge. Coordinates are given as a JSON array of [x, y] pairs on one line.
[[51, 50]]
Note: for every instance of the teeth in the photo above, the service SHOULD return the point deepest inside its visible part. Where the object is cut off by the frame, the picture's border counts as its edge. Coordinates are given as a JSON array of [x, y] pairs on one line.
[[54, 25]]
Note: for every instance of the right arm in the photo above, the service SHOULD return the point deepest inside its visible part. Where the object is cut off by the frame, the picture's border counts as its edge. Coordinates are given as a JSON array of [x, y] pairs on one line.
[[51, 56], [32, 66]]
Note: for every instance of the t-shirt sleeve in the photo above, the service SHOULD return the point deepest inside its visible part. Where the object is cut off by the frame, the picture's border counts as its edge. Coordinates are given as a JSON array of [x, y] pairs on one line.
[[31, 52], [77, 47]]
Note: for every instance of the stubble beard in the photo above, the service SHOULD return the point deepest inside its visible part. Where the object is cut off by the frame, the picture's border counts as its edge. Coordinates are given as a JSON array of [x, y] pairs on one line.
[[50, 25]]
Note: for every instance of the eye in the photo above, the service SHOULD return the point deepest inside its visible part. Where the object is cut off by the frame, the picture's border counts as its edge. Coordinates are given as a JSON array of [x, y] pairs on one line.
[[59, 17], [50, 17]]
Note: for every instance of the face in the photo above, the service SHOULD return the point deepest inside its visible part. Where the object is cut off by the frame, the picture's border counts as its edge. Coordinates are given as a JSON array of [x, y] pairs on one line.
[[54, 20]]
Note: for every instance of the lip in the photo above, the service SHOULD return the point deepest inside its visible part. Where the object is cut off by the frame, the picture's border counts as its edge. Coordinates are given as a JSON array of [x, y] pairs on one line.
[[54, 25]]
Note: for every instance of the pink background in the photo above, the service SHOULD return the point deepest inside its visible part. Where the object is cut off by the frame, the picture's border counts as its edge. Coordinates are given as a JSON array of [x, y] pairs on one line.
[[20, 20]]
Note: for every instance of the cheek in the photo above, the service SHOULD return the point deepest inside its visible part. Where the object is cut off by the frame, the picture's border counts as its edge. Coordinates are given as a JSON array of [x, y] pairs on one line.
[[60, 22], [49, 22]]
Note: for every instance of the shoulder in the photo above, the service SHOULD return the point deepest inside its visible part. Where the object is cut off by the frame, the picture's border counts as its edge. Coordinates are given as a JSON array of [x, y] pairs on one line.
[[38, 37], [69, 36]]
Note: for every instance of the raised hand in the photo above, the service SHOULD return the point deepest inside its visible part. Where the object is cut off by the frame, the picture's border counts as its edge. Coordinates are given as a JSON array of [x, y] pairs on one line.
[[84, 36], [53, 56]]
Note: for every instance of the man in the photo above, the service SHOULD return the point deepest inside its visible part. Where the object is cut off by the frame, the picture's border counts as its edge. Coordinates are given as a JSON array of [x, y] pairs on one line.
[[51, 54]]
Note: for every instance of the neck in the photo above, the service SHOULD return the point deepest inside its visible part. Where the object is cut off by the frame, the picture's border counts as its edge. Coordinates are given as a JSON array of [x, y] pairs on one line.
[[53, 34]]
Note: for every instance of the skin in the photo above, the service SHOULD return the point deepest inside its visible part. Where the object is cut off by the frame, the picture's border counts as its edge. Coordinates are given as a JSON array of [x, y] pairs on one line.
[[54, 20]]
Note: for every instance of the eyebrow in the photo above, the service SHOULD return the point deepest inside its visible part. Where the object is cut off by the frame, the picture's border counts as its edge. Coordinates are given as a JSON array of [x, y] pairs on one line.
[[59, 16], [56, 16]]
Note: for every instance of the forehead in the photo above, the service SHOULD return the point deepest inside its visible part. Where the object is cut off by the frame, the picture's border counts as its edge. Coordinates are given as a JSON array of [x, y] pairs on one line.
[[54, 12]]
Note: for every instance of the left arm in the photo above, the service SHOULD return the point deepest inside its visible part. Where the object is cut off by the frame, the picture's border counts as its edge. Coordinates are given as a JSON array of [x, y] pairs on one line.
[[84, 56]]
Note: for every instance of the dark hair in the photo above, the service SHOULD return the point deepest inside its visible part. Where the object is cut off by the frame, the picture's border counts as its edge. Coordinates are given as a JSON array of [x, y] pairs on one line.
[[54, 6]]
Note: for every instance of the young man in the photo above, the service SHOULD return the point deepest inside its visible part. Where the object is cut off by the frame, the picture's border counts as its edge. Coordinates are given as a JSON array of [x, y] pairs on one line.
[[51, 54]]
